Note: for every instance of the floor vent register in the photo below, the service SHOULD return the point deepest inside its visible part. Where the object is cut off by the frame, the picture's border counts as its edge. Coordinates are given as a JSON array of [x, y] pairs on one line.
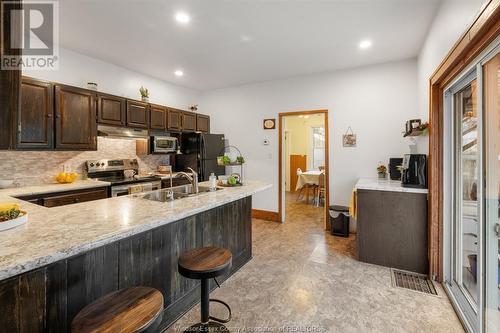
[[412, 281]]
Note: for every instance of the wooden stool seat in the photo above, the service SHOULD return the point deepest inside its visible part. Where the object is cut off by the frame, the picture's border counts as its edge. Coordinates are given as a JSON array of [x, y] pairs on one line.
[[205, 263], [135, 309]]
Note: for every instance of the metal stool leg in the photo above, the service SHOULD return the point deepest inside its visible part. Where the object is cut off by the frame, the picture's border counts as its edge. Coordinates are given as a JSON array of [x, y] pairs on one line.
[[205, 301], [208, 323]]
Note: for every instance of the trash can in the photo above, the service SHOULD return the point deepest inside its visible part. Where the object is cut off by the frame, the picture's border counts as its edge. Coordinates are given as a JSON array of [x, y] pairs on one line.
[[339, 220]]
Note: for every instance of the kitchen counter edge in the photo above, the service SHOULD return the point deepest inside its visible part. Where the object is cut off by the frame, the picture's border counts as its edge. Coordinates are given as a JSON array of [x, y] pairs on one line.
[[13, 266], [386, 185]]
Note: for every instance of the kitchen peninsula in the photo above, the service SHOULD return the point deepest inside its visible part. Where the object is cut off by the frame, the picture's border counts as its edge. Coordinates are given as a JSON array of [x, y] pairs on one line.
[[66, 257]]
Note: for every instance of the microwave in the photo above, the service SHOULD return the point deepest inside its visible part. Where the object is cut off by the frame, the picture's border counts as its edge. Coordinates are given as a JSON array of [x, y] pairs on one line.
[[163, 144]]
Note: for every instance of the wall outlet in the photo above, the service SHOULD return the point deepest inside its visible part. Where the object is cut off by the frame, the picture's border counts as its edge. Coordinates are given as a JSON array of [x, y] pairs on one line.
[[66, 168]]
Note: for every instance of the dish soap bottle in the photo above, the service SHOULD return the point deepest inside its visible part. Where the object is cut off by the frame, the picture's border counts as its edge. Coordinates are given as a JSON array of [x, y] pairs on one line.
[[212, 180]]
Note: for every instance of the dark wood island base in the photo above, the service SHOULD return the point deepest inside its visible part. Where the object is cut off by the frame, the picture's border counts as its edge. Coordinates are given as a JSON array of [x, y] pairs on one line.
[[48, 298]]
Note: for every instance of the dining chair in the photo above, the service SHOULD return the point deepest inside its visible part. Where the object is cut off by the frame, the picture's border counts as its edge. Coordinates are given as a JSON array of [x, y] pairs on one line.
[[321, 190], [306, 187]]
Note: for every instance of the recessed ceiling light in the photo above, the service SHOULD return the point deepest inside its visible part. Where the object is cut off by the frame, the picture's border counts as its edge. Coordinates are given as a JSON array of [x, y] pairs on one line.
[[365, 44], [182, 17], [245, 38], [179, 73]]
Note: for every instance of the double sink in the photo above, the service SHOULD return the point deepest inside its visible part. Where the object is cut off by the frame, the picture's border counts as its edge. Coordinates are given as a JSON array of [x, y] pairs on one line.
[[175, 193]]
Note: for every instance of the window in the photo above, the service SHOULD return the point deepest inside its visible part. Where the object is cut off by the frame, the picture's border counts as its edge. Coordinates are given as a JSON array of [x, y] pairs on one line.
[[318, 147]]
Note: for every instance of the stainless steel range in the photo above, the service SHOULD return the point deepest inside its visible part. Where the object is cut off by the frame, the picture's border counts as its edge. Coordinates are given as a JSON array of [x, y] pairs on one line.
[[123, 174]]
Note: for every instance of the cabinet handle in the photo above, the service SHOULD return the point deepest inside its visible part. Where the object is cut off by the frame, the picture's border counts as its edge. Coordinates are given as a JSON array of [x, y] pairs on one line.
[[49, 115], [58, 116]]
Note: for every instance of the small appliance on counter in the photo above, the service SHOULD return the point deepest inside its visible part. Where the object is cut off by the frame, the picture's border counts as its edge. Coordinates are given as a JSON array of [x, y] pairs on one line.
[[394, 171], [414, 172]]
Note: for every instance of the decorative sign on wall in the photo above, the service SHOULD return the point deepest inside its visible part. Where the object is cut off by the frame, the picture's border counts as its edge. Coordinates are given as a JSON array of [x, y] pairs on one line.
[[349, 138], [269, 123]]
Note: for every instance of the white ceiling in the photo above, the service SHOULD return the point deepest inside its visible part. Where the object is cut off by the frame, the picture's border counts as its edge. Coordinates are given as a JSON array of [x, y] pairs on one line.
[[283, 38]]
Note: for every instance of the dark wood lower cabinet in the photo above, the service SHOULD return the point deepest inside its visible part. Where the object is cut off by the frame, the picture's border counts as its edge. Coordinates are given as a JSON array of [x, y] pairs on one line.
[[392, 229], [48, 298]]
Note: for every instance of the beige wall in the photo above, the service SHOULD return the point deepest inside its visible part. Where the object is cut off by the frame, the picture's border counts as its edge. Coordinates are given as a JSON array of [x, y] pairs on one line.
[[299, 131], [36, 167]]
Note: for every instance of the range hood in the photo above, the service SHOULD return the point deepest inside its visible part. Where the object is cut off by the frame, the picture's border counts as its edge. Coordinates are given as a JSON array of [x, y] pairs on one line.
[[122, 132]]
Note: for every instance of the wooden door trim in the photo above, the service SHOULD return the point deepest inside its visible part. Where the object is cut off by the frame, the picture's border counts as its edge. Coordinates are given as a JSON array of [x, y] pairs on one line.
[[280, 159], [484, 29]]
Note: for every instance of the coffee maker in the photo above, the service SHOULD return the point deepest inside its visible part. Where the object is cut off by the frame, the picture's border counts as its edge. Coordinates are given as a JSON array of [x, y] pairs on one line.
[[414, 173]]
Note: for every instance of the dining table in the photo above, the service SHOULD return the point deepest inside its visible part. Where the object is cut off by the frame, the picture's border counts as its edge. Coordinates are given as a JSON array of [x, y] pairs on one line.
[[310, 177]]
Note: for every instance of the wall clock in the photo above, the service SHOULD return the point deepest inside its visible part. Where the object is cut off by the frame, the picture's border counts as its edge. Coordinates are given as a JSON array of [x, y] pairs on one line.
[[269, 123]]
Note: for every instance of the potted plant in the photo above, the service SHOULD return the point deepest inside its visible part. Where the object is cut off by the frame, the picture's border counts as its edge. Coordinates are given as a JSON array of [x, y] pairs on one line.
[[382, 171], [144, 94], [424, 128]]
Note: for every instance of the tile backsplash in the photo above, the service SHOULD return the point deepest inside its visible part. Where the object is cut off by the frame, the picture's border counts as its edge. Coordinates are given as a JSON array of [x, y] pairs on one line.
[[37, 167]]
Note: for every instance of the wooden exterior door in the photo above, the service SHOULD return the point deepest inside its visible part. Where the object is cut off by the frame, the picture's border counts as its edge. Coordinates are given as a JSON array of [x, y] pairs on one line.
[[35, 121], [158, 117], [296, 161], [202, 123], [188, 122], [137, 114], [111, 110], [174, 120], [76, 125]]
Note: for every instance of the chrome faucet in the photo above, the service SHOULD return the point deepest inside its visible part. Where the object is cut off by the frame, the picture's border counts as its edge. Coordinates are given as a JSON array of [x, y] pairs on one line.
[[193, 178]]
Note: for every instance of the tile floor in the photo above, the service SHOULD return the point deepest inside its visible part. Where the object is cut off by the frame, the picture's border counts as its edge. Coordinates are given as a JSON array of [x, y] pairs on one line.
[[302, 279]]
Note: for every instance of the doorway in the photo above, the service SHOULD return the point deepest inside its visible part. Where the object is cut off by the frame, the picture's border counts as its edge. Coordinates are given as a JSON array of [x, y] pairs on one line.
[[303, 164], [472, 193]]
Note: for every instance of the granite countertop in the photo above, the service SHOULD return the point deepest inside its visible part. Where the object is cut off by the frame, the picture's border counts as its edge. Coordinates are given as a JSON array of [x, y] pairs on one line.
[[53, 234], [385, 185], [52, 188]]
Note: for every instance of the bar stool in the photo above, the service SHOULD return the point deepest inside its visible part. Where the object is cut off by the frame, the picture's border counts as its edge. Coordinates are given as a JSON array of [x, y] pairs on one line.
[[204, 264], [135, 309]]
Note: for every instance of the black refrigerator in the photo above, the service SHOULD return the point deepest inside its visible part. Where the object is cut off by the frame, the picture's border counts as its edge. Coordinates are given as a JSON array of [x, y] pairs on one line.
[[199, 151]]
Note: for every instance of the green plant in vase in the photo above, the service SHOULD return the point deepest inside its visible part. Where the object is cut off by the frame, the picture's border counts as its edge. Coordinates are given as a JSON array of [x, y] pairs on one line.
[[144, 94]]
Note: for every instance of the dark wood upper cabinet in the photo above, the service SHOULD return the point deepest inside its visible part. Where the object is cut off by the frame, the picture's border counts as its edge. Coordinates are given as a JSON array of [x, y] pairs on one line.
[[158, 117], [137, 114], [202, 123], [188, 122], [111, 110], [35, 118], [75, 112], [174, 122]]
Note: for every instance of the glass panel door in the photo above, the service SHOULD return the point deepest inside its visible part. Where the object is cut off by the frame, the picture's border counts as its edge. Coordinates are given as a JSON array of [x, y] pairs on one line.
[[466, 185], [491, 105], [465, 206]]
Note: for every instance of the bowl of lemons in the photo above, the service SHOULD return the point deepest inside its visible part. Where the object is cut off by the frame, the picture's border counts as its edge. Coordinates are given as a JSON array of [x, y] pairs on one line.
[[66, 177]]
